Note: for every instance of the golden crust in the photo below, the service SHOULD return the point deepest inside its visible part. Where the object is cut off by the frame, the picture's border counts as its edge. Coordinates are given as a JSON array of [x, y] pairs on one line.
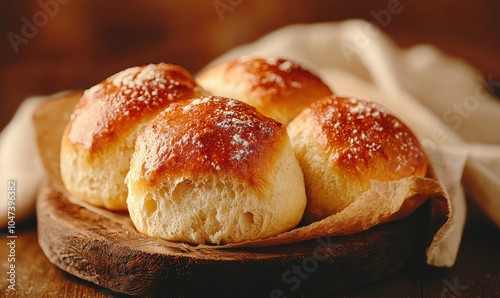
[[114, 107], [365, 140], [278, 88], [210, 135]]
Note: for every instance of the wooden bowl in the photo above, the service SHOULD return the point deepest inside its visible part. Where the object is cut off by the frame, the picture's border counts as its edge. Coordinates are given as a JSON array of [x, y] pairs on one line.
[[104, 248]]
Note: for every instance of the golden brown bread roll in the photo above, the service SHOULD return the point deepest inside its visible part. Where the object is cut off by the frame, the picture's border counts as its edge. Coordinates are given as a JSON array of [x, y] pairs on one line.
[[342, 143], [278, 88], [214, 170], [99, 139]]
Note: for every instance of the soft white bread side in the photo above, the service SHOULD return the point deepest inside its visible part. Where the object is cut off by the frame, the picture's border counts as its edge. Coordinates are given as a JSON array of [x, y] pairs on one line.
[[214, 170], [278, 88], [99, 140], [343, 143]]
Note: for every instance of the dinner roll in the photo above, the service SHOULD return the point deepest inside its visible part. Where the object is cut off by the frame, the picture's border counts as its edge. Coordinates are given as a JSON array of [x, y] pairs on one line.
[[99, 139], [278, 88], [343, 143], [214, 170]]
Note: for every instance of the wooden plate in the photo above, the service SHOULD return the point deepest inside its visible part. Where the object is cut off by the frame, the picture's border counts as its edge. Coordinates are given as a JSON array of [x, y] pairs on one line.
[[104, 248]]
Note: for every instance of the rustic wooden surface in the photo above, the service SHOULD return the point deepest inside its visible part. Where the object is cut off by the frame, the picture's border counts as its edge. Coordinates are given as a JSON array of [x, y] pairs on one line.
[[475, 274], [87, 41], [104, 248]]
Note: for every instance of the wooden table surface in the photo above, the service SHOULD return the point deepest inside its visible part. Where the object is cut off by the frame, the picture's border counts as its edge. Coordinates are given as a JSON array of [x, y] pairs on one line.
[[475, 274]]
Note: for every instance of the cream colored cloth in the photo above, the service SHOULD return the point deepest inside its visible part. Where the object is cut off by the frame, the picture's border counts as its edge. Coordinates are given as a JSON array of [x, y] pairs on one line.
[[20, 162], [440, 98]]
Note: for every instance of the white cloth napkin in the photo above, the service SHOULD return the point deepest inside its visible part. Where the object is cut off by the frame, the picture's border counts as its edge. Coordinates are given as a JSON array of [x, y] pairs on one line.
[[442, 99], [20, 162]]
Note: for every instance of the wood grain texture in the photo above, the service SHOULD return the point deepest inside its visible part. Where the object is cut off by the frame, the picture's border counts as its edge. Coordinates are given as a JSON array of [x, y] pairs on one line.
[[477, 267], [86, 41], [107, 251], [35, 275]]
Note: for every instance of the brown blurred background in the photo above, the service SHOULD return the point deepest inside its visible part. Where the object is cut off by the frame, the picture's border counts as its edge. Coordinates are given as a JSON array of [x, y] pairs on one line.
[[53, 45]]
